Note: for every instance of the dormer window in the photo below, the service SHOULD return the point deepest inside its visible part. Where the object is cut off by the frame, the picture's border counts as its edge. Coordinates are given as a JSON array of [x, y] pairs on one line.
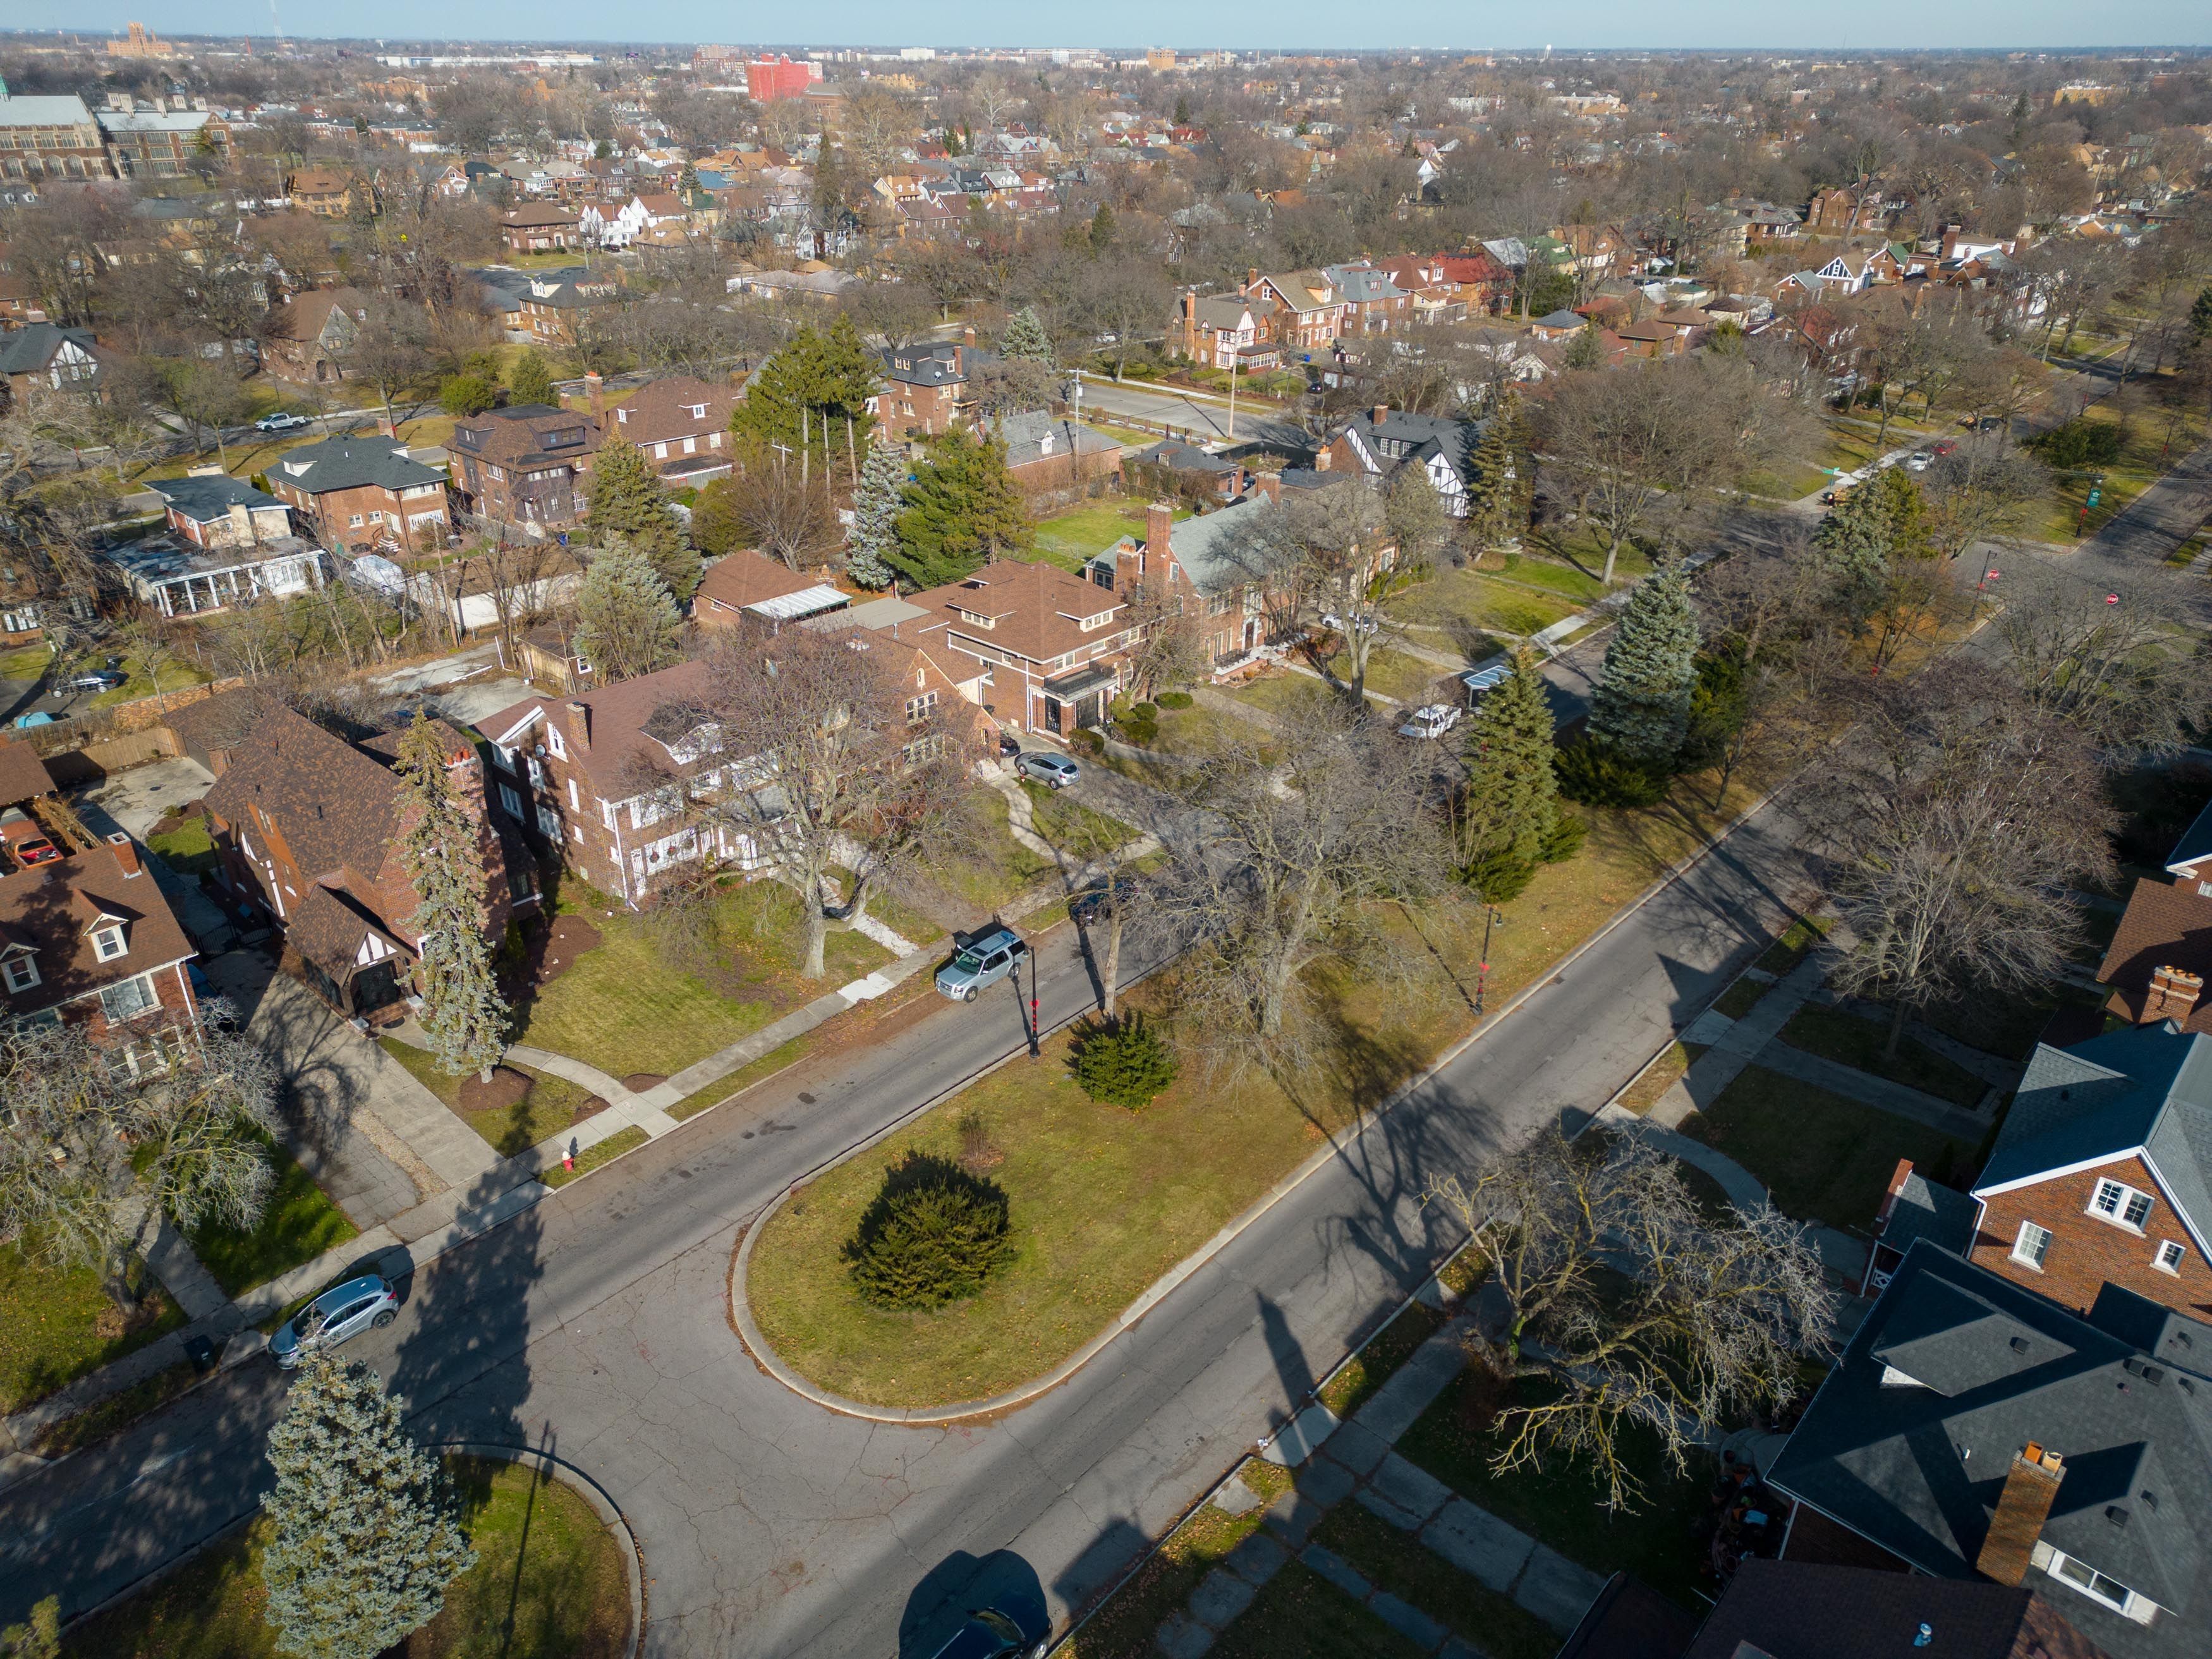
[[622, 414], [20, 971], [108, 943], [698, 412]]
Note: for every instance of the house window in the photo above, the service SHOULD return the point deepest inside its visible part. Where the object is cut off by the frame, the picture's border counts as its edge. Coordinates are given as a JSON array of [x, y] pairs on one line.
[[2031, 1246], [21, 973], [2169, 1257], [2091, 1582], [553, 741], [510, 800], [107, 944], [2120, 1204], [354, 522], [127, 1001], [920, 708]]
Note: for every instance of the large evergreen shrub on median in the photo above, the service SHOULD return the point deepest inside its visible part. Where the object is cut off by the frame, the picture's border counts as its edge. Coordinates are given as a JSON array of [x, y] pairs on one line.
[[934, 1234], [1123, 1062]]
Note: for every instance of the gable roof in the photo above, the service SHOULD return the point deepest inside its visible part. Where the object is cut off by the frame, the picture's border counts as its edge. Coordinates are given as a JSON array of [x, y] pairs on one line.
[[1809, 1610], [32, 348], [521, 435], [328, 926], [1918, 1470], [337, 808], [618, 715], [747, 579], [1035, 609], [210, 496], [2146, 1090], [662, 410], [1034, 436], [2166, 924], [51, 907], [23, 774]]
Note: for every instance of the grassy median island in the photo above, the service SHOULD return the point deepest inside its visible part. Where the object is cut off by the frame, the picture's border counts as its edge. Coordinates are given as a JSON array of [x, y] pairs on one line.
[[549, 1579], [1105, 1201]]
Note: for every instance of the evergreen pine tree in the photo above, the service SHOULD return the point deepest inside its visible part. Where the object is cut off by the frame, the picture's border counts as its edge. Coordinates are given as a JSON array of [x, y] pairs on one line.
[[367, 1533], [1102, 228], [462, 1013], [1586, 349], [627, 502], [962, 510], [626, 622], [876, 508], [1510, 804], [1498, 500], [2200, 317], [1883, 520], [807, 392], [1183, 112], [530, 381], [1025, 338], [1642, 707]]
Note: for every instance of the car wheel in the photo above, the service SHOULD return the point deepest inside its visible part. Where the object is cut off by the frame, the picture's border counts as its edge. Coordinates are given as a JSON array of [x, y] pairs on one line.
[[968, 995], [385, 1318]]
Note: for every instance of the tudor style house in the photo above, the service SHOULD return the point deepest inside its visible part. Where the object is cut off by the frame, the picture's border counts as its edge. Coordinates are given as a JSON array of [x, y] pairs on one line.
[[46, 357], [309, 339], [1973, 1431], [1380, 440], [359, 491], [1309, 310], [527, 464], [89, 941], [308, 827], [1226, 331], [2102, 1172]]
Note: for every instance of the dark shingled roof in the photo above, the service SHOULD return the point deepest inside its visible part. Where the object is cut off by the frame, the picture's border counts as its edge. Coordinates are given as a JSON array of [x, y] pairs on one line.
[[203, 499], [1802, 1610], [1916, 1462], [1941, 1215], [327, 928], [350, 463], [52, 907], [23, 774], [337, 808]]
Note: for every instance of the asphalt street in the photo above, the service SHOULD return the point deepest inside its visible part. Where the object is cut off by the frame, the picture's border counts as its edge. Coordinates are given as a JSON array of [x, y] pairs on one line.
[[597, 1325], [1206, 418]]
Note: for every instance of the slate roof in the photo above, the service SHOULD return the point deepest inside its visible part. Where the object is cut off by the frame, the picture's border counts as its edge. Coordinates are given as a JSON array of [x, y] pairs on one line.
[[1916, 1464], [337, 808], [1942, 1215], [30, 348], [2146, 1088], [1180, 457], [1025, 436], [1805, 1610], [1206, 546], [1362, 284], [349, 463], [205, 499], [51, 907]]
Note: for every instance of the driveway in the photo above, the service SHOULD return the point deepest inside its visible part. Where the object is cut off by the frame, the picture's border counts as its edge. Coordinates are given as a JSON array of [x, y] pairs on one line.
[[141, 798]]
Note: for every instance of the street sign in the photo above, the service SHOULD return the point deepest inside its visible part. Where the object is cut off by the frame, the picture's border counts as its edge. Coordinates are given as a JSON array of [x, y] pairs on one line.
[[2111, 598]]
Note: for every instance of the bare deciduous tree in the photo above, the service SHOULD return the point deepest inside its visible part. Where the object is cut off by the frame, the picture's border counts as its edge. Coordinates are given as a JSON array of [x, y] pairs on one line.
[[86, 1138], [1628, 1308], [2126, 666], [1317, 558], [1299, 842], [1961, 816]]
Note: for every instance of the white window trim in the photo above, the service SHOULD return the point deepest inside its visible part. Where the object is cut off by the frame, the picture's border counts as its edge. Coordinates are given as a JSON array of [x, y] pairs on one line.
[[2177, 1253], [2128, 1597], [2020, 1250], [23, 965], [110, 936], [2117, 1216]]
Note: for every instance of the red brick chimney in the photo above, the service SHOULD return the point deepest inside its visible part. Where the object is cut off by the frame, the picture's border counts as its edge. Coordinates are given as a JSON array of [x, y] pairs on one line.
[[1382, 413], [1270, 484], [1251, 280], [579, 727], [1159, 526], [126, 854], [2172, 995], [2031, 1487], [595, 393]]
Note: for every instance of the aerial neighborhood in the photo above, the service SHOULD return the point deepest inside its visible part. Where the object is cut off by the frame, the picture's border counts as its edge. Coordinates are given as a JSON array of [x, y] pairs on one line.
[[976, 852]]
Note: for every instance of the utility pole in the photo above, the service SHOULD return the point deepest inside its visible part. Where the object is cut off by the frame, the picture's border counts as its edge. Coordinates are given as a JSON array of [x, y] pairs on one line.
[[1232, 397]]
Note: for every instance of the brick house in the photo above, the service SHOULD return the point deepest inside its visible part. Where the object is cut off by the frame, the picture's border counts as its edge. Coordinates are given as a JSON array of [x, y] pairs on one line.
[[553, 308], [308, 828], [212, 509], [2099, 1174], [1224, 331], [321, 191], [89, 941], [1373, 302], [1047, 452], [46, 357], [1310, 311], [2162, 949], [358, 491], [1190, 561], [308, 338], [680, 424], [540, 227], [923, 386], [526, 465], [1974, 1432], [1048, 649]]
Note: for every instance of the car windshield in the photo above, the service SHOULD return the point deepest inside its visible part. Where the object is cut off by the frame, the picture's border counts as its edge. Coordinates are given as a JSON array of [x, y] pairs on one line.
[[970, 960]]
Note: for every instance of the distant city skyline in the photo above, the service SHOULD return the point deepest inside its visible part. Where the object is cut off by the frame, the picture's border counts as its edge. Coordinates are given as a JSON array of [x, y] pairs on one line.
[[1296, 25]]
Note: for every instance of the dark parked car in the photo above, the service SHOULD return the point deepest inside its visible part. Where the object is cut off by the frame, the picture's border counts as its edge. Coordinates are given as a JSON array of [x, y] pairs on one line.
[[991, 1634]]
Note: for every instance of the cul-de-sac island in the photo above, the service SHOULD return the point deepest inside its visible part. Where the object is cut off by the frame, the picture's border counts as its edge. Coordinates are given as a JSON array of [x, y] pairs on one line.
[[1293, 845]]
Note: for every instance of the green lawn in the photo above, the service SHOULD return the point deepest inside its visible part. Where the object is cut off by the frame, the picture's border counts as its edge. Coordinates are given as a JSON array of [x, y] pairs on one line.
[[1799, 938], [549, 1580], [1285, 695], [1078, 831], [984, 866], [1301, 1615], [1395, 674], [1569, 581], [1562, 1503], [176, 675], [1662, 1074], [1469, 607], [548, 1107], [1391, 1561], [1124, 1626], [622, 1008], [1069, 539], [2139, 464], [1850, 1041], [298, 1224], [1824, 1158], [25, 663], [57, 1324], [1104, 1201], [188, 849], [1742, 997]]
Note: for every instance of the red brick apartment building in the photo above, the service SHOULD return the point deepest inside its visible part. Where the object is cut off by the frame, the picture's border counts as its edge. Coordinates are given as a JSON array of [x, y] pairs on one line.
[[528, 465]]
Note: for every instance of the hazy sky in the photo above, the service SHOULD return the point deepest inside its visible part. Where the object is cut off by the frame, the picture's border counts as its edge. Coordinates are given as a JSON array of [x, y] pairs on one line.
[[2055, 24]]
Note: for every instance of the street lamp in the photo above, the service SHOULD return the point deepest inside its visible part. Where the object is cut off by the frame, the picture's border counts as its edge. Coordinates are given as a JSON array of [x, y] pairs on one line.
[[1036, 1051], [1490, 918]]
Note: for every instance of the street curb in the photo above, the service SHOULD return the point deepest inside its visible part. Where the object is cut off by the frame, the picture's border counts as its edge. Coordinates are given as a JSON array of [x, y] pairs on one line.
[[602, 1504], [1333, 1147]]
